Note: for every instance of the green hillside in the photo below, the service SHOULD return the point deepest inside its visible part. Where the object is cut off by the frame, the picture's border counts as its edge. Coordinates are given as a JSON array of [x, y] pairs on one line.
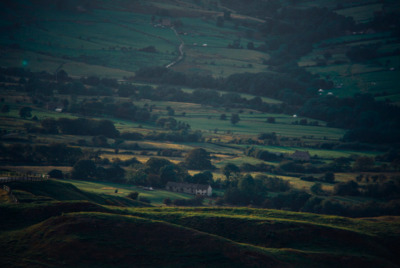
[[51, 190], [89, 235]]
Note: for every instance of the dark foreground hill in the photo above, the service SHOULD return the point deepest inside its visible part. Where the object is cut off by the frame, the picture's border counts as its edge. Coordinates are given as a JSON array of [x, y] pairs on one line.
[[81, 233]]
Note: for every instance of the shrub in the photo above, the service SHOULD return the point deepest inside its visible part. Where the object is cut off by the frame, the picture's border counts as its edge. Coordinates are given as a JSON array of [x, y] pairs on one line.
[[133, 195], [56, 173]]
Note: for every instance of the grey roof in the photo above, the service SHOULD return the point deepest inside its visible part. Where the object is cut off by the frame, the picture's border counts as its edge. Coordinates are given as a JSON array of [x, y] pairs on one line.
[[301, 154], [196, 186]]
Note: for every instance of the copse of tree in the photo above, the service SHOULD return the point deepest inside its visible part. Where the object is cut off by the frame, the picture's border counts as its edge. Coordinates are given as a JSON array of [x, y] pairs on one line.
[[156, 172], [56, 173], [53, 154], [274, 184], [292, 200], [25, 112], [230, 170], [267, 136], [86, 169], [349, 188], [292, 166], [80, 126], [263, 154], [247, 190], [385, 190]]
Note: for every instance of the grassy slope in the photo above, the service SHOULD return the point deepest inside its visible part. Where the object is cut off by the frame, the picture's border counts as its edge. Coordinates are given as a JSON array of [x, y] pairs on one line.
[[105, 240], [195, 236], [52, 190], [156, 197], [87, 234]]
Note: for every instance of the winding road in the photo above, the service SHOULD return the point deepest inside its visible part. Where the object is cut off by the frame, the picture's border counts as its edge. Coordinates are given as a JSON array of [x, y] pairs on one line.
[[181, 52]]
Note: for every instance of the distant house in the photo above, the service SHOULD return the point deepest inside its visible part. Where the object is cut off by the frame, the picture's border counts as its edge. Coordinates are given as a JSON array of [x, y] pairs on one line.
[[189, 188], [55, 106], [301, 156], [166, 23]]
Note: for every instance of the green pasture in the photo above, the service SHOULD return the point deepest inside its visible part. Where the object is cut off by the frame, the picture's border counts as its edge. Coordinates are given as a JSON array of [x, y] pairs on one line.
[[253, 127], [360, 225], [321, 153], [237, 160], [37, 62], [156, 197], [207, 119], [243, 95], [82, 39], [356, 38], [79, 41], [221, 62]]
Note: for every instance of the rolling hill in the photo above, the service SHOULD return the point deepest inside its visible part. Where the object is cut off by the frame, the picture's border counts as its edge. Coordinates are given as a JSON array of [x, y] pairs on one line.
[[86, 234]]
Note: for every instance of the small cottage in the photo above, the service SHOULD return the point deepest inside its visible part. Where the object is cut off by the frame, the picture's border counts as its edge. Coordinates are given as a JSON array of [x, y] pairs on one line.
[[189, 188], [301, 156]]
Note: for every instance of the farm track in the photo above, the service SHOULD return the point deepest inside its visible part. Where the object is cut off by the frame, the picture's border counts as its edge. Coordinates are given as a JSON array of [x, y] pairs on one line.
[[180, 48]]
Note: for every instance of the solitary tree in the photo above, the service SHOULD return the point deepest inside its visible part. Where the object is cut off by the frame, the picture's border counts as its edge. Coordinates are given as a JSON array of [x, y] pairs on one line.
[[133, 195], [230, 169], [198, 159], [25, 112], [235, 119]]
